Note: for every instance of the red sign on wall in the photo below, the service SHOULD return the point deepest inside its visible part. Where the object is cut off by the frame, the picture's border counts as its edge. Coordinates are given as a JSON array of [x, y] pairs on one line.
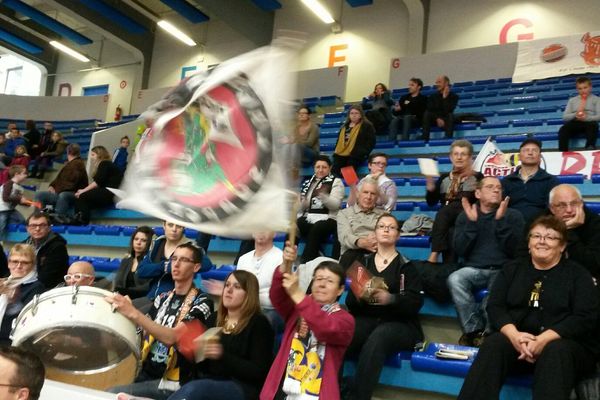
[[518, 22]]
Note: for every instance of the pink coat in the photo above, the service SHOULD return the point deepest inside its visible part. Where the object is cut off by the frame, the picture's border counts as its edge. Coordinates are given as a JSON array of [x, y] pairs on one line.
[[335, 329]]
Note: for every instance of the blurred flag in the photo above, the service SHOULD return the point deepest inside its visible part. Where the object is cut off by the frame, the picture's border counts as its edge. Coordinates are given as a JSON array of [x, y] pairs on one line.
[[492, 162], [208, 162]]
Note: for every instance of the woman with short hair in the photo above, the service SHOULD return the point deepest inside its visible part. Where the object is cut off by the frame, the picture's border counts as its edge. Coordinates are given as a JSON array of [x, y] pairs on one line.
[[317, 333], [544, 310], [19, 288]]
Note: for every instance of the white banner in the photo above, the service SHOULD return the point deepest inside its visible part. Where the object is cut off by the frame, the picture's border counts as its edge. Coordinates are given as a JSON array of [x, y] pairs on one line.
[[545, 58], [491, 161]]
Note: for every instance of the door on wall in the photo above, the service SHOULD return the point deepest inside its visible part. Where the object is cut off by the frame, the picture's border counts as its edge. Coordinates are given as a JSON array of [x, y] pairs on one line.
[[98, 90]]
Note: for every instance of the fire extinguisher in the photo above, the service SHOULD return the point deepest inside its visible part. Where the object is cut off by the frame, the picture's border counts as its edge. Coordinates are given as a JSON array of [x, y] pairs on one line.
[[118, 112]]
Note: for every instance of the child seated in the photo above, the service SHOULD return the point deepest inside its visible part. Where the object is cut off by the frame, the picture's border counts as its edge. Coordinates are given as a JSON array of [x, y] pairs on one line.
[[120, 155]]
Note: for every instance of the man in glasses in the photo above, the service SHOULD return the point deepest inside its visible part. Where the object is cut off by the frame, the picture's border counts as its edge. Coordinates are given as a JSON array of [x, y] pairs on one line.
[[583, 227], [486, 236], [50, 248], [22, 374], [356, 224], [159, 375], [80, 273]]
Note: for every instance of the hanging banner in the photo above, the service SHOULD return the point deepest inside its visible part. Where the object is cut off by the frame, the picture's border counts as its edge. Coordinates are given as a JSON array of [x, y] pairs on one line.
[[560, 56], [491, 161]]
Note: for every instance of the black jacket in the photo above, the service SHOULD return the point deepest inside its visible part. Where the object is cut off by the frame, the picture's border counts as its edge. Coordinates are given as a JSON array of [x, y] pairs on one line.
[[26, 293], [140, 286], [52, 259], [568, 301]]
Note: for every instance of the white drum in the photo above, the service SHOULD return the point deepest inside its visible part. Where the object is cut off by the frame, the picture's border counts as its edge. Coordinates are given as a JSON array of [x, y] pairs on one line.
[[74, 330]]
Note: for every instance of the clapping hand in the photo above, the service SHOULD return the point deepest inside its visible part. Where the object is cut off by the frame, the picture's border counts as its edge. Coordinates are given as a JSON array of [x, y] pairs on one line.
[[501, 211], [470, 209]]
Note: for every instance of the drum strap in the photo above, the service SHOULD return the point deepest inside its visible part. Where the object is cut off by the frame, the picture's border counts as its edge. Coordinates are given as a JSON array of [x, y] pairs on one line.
[[170, 379]]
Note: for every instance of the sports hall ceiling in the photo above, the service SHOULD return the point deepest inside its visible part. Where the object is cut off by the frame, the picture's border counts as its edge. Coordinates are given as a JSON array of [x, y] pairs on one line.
[[27, 26]]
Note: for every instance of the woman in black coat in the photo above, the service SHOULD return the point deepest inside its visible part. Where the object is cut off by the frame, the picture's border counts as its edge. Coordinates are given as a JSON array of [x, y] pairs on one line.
[[96, 195], [127, 282]]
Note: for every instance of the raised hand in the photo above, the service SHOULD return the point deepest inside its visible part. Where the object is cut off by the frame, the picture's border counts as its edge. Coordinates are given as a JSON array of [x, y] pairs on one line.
[[470, 209], [501, 211]]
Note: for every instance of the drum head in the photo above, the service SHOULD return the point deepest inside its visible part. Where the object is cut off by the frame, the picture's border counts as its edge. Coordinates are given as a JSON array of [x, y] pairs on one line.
[[76, 331], [80, 350]]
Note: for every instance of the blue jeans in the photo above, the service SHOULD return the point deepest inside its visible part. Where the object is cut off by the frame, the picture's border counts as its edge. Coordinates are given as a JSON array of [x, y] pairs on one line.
[[62, 202], [462, 284], [9, 217], [209, 389], [143, 389]]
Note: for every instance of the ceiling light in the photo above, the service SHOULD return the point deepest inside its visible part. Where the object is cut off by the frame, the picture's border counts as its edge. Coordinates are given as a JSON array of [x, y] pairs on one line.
[[69, 51], [171, 29], [319, 10]]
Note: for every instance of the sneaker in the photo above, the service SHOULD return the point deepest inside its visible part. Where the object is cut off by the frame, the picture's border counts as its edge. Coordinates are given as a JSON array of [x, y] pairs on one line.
[[466, 340], [471, 339], [479, 339]]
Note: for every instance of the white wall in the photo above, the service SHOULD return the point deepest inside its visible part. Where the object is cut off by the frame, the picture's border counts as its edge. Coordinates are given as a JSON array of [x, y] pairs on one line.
[[221, 42], [50, 108], [109, 54], [374, 34], [459, 65], [458, 24]]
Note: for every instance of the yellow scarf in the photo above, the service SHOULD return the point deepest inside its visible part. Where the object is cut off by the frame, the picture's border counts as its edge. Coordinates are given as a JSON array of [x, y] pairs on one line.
[[343, 147]]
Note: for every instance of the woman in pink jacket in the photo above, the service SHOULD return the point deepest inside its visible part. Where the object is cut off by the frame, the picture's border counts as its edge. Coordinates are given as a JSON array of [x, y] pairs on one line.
[[317, 333]]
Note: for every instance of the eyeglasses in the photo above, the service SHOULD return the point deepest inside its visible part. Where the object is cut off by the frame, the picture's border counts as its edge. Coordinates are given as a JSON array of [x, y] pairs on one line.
[[76, 276], [390, 228], [563, 206], [19, 262], [37, 226], [546, 238], [174, 259]]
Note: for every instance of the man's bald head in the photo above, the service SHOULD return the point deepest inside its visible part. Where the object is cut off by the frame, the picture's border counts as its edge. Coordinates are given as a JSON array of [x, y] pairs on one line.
[[82, 270]]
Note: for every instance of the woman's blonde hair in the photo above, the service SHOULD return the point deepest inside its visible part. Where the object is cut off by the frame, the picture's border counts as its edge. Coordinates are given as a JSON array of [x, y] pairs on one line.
[[102, 155], [251, 304], [23, 249]]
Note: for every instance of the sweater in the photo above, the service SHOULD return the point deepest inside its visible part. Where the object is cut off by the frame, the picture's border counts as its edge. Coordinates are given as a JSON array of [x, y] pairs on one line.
[[568, 301], [263, 269], [591, 109], [404, 283], [246, 359], [441, 107], [531, 197], [487, 241], [335, 330]]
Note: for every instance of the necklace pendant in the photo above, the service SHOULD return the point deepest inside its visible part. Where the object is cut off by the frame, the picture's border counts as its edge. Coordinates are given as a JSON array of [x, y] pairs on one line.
[[385, 261]]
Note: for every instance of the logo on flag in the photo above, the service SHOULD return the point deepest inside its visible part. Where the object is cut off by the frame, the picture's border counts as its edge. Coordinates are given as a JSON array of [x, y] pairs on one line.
[[207, 162]]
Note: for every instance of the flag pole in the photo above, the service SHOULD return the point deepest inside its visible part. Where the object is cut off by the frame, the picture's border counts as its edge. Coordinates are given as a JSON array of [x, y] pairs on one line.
[[287, 265]]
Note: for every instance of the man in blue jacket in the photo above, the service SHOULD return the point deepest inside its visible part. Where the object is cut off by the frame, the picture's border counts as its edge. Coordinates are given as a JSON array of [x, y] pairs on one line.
[[529, 186]]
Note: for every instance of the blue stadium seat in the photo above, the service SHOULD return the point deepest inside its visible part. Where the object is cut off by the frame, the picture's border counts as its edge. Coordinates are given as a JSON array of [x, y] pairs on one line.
[[80, 230], [497, 102], [463, 84], [525, 99], [107, 230], [572, 179], [510, 91], [423, 206], [527, 122], [511, 111], [498, 86], [58, 228], [485, 82], [399, 181], [405, 206]]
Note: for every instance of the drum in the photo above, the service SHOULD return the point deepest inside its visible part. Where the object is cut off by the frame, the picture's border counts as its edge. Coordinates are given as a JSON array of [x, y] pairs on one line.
[[79, 337]]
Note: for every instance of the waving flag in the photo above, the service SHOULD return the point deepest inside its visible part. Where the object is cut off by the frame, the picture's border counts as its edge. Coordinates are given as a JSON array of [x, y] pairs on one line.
[[491, 161], [208, 162]]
